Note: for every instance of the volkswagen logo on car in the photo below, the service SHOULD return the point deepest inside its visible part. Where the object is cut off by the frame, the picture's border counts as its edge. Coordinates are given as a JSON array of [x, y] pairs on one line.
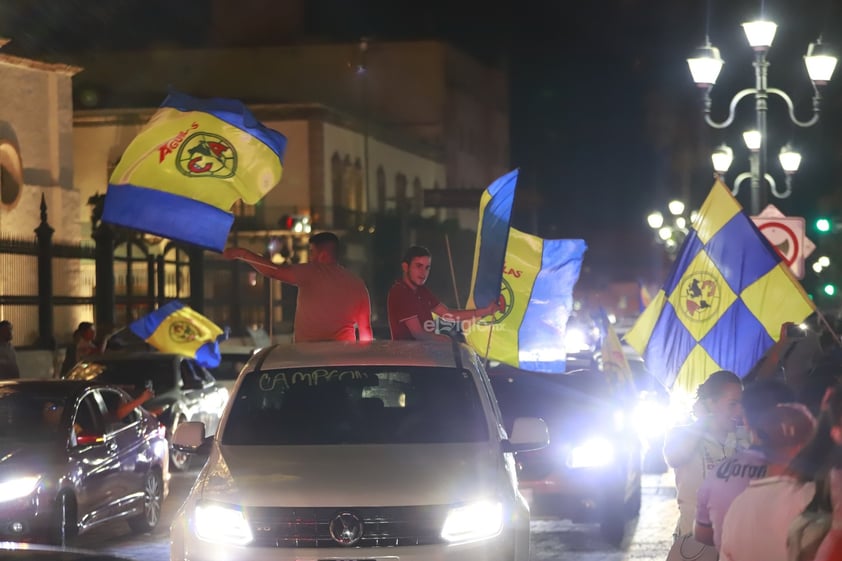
[[346, 528]]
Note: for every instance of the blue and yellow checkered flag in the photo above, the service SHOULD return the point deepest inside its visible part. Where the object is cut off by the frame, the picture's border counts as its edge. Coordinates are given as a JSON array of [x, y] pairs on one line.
[[724, 302]]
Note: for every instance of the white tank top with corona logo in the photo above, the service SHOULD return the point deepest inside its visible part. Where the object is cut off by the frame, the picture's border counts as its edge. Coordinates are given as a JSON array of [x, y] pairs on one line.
[[689, 476]]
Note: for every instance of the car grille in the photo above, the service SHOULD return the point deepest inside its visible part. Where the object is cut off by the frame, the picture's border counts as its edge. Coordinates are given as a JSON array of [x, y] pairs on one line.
[[382, 526]]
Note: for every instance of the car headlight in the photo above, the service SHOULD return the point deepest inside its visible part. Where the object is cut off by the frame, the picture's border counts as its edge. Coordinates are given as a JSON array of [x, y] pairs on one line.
[[473, 522], [18, 488], [594, 452], [222, 524], [651, 419]]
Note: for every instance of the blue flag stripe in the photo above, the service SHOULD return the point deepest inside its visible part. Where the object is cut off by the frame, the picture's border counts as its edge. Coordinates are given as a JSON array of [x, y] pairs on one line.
[[495, 219], [233, 112], [550, 303], [165, 214]]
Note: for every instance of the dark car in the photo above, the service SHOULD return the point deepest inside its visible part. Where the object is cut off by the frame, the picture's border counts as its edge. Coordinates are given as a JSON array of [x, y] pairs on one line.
[[184, 390], [68, 464], [590, 472]]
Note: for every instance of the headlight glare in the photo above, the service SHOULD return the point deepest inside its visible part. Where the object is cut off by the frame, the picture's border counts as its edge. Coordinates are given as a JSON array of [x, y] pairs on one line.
[[473, 522], [18, 488], [594, 452], [222, 524]]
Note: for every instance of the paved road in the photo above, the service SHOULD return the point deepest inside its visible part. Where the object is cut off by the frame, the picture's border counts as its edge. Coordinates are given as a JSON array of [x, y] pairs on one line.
[[649, 535]]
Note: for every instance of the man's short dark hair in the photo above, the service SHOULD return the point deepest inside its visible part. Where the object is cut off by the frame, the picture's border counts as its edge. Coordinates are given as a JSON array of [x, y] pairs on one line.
[[323, 239], [5, 323], [414, 252]]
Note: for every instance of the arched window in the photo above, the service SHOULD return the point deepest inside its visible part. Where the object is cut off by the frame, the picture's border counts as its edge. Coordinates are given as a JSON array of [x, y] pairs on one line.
[[417, 196], [11, 174], [381, 189], [400, 192]]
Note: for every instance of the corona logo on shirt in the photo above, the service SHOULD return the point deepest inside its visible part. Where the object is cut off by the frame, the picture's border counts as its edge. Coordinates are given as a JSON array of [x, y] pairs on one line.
[[182, 331], [699, 297], [205, 154]]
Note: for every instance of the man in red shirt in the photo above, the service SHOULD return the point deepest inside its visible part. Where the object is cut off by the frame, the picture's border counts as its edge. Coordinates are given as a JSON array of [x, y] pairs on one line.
[[333, 303], [411, 305]]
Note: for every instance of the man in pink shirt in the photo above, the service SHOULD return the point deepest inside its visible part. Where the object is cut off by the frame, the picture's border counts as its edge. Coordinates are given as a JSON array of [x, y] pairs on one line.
[[333, 303]]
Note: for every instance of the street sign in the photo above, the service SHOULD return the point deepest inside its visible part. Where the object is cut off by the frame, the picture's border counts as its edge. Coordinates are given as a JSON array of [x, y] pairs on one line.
[[787, 235]]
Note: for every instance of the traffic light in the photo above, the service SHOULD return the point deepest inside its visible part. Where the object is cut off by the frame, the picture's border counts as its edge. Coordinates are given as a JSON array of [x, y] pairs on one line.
[[829, 289], [824, 225]]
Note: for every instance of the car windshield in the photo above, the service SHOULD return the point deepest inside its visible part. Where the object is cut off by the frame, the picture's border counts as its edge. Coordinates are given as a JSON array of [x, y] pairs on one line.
[[570, 402], [130, 373], [359, 405], [31, 417]]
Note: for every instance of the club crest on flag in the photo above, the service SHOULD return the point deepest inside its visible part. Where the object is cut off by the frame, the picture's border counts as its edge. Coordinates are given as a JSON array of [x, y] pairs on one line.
[[187, 167], [724, 302]]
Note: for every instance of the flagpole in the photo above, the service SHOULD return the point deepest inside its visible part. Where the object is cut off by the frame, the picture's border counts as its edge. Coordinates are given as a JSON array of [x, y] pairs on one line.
[[452, 271], [488, 346]]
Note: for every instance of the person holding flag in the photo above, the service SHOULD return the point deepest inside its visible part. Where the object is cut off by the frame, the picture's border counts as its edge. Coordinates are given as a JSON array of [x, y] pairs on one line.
[[411, 305]]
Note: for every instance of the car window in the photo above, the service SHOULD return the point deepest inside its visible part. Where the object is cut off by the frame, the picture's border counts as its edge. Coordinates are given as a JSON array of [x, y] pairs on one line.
[[88, 416], [565, 401], [356, 405], [33, 417], [130, 373], [112, 401]]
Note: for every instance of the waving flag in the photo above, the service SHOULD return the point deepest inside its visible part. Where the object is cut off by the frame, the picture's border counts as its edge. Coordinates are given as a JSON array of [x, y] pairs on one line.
[[724, 302], [614, 362], [176, 328], [537, 285], [495, 216], [184, 171]]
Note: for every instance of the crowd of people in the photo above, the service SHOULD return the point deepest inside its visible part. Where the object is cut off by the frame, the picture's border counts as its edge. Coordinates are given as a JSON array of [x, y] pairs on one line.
[[759, 473]]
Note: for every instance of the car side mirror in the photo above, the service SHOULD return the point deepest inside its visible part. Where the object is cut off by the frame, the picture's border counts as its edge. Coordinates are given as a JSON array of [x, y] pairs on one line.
[[189, 436], [528, 433]]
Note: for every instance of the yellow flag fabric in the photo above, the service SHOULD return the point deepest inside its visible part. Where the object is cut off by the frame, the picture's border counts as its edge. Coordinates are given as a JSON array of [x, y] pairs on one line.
[[538, 280], [176, 328], [195, 158], [724, 302]]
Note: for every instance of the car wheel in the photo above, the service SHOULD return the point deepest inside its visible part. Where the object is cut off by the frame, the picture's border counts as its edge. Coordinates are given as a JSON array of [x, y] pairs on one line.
[[63, 528], [179, 461], [153, 497], [612, 526], [634, 502]]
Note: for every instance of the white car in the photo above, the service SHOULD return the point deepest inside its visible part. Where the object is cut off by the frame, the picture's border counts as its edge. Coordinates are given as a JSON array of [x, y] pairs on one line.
[[390, 450]]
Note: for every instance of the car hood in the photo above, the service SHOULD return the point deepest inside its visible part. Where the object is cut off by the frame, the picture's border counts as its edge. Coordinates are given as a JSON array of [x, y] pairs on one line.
[[18, 456], [359, 475]]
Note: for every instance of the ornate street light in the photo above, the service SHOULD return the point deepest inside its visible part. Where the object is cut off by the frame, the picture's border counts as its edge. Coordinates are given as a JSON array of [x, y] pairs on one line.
[[705, 66], [672, 227]]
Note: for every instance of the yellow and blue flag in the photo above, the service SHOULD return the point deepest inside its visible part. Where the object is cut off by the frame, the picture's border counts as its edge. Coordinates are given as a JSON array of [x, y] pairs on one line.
[[614, 362], [495, 217], [184, 171], [537, 286], [176, 328], [724, 302]]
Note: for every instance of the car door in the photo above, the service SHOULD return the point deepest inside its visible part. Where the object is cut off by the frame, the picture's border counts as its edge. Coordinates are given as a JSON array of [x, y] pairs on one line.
[[99, 465], [125, 438]]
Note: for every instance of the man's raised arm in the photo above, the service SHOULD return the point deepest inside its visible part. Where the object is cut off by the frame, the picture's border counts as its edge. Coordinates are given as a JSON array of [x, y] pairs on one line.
[[260, 264]]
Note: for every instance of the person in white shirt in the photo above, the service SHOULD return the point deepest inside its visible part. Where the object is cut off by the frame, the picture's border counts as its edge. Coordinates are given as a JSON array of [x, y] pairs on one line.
[[756, 524]]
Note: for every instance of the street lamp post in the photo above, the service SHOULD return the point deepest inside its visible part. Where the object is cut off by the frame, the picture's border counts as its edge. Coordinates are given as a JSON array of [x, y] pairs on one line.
[[705, 67]]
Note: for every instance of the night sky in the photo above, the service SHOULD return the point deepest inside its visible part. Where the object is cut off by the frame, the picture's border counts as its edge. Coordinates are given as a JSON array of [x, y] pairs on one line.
[[606, 122]]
